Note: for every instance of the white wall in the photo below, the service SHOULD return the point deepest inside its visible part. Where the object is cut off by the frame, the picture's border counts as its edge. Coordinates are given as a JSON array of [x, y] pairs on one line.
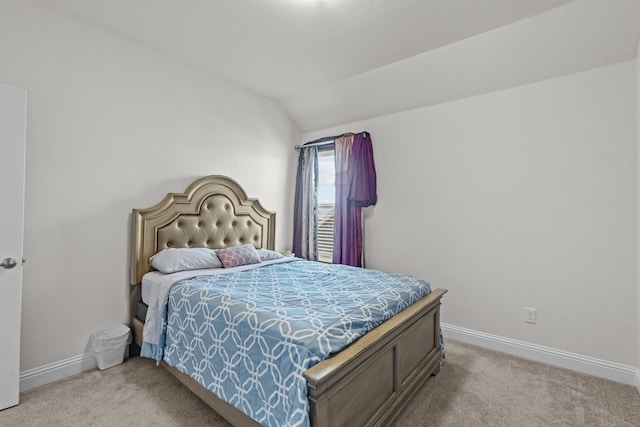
[[524, 197], [113, 126]]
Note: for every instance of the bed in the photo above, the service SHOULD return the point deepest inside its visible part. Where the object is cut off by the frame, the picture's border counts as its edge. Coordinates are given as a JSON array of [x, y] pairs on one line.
[[367, 383]]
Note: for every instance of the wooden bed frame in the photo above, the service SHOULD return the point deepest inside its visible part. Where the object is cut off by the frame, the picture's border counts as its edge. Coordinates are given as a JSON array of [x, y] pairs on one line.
[[366, 384]]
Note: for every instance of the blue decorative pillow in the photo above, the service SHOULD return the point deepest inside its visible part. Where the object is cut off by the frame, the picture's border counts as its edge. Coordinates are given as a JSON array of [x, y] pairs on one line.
[[235, 256], [267, 255]]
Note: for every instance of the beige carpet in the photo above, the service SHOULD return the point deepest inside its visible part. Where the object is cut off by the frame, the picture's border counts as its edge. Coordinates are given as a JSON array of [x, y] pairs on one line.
[[476, 387]]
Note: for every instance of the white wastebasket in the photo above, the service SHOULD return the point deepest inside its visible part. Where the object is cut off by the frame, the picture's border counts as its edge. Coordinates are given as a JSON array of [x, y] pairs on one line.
[[109, 346]]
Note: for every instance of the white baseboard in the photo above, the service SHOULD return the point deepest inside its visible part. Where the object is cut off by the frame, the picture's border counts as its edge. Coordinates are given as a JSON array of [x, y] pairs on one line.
[[588, 365], [576, 362], [56, 371]]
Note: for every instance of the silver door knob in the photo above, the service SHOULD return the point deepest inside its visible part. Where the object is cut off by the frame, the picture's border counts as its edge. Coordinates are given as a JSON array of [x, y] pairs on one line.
[[8, 263]]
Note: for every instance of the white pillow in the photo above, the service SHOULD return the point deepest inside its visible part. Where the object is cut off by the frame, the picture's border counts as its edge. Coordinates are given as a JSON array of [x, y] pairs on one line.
[[179, 259]]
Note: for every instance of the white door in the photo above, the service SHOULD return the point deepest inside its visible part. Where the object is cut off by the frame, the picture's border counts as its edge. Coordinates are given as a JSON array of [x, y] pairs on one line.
[[13, 113]]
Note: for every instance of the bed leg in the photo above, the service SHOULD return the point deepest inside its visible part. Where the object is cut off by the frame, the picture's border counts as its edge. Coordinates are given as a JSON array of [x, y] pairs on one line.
[[436, 370]]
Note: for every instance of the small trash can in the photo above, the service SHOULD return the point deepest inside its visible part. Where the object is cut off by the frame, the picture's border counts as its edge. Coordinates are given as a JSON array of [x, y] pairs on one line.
[[109, 346]]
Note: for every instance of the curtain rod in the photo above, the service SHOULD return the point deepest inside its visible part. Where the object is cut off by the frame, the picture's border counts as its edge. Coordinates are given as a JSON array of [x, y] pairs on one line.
[[311, 144], [324, 141]]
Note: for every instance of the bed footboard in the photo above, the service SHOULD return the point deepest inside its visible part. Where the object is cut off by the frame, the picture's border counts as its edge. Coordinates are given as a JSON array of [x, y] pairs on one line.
[[370, 382]]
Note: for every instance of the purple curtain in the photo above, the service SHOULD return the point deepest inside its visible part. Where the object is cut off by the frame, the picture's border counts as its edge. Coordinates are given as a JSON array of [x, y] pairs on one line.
[[305, 212], [355, 189]]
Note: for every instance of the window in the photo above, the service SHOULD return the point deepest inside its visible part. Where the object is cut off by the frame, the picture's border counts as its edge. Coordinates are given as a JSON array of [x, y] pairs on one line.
[[326, 204], [327, 214]]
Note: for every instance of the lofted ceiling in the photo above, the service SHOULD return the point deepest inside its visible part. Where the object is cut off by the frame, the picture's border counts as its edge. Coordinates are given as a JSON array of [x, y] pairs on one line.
[[329, 62]]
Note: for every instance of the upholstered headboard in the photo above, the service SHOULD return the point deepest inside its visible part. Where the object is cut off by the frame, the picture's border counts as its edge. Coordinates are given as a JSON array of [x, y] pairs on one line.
[[213, 212]]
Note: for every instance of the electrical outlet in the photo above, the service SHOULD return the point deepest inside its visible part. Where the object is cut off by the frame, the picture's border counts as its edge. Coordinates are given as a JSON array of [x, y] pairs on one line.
[[530, 315]]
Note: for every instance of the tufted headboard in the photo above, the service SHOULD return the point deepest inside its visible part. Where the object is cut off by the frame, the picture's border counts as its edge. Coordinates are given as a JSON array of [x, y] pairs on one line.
[[213, 212]]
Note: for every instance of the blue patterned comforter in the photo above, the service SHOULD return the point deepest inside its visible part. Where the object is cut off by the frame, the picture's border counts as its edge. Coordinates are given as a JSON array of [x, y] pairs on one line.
[[248, 336]]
